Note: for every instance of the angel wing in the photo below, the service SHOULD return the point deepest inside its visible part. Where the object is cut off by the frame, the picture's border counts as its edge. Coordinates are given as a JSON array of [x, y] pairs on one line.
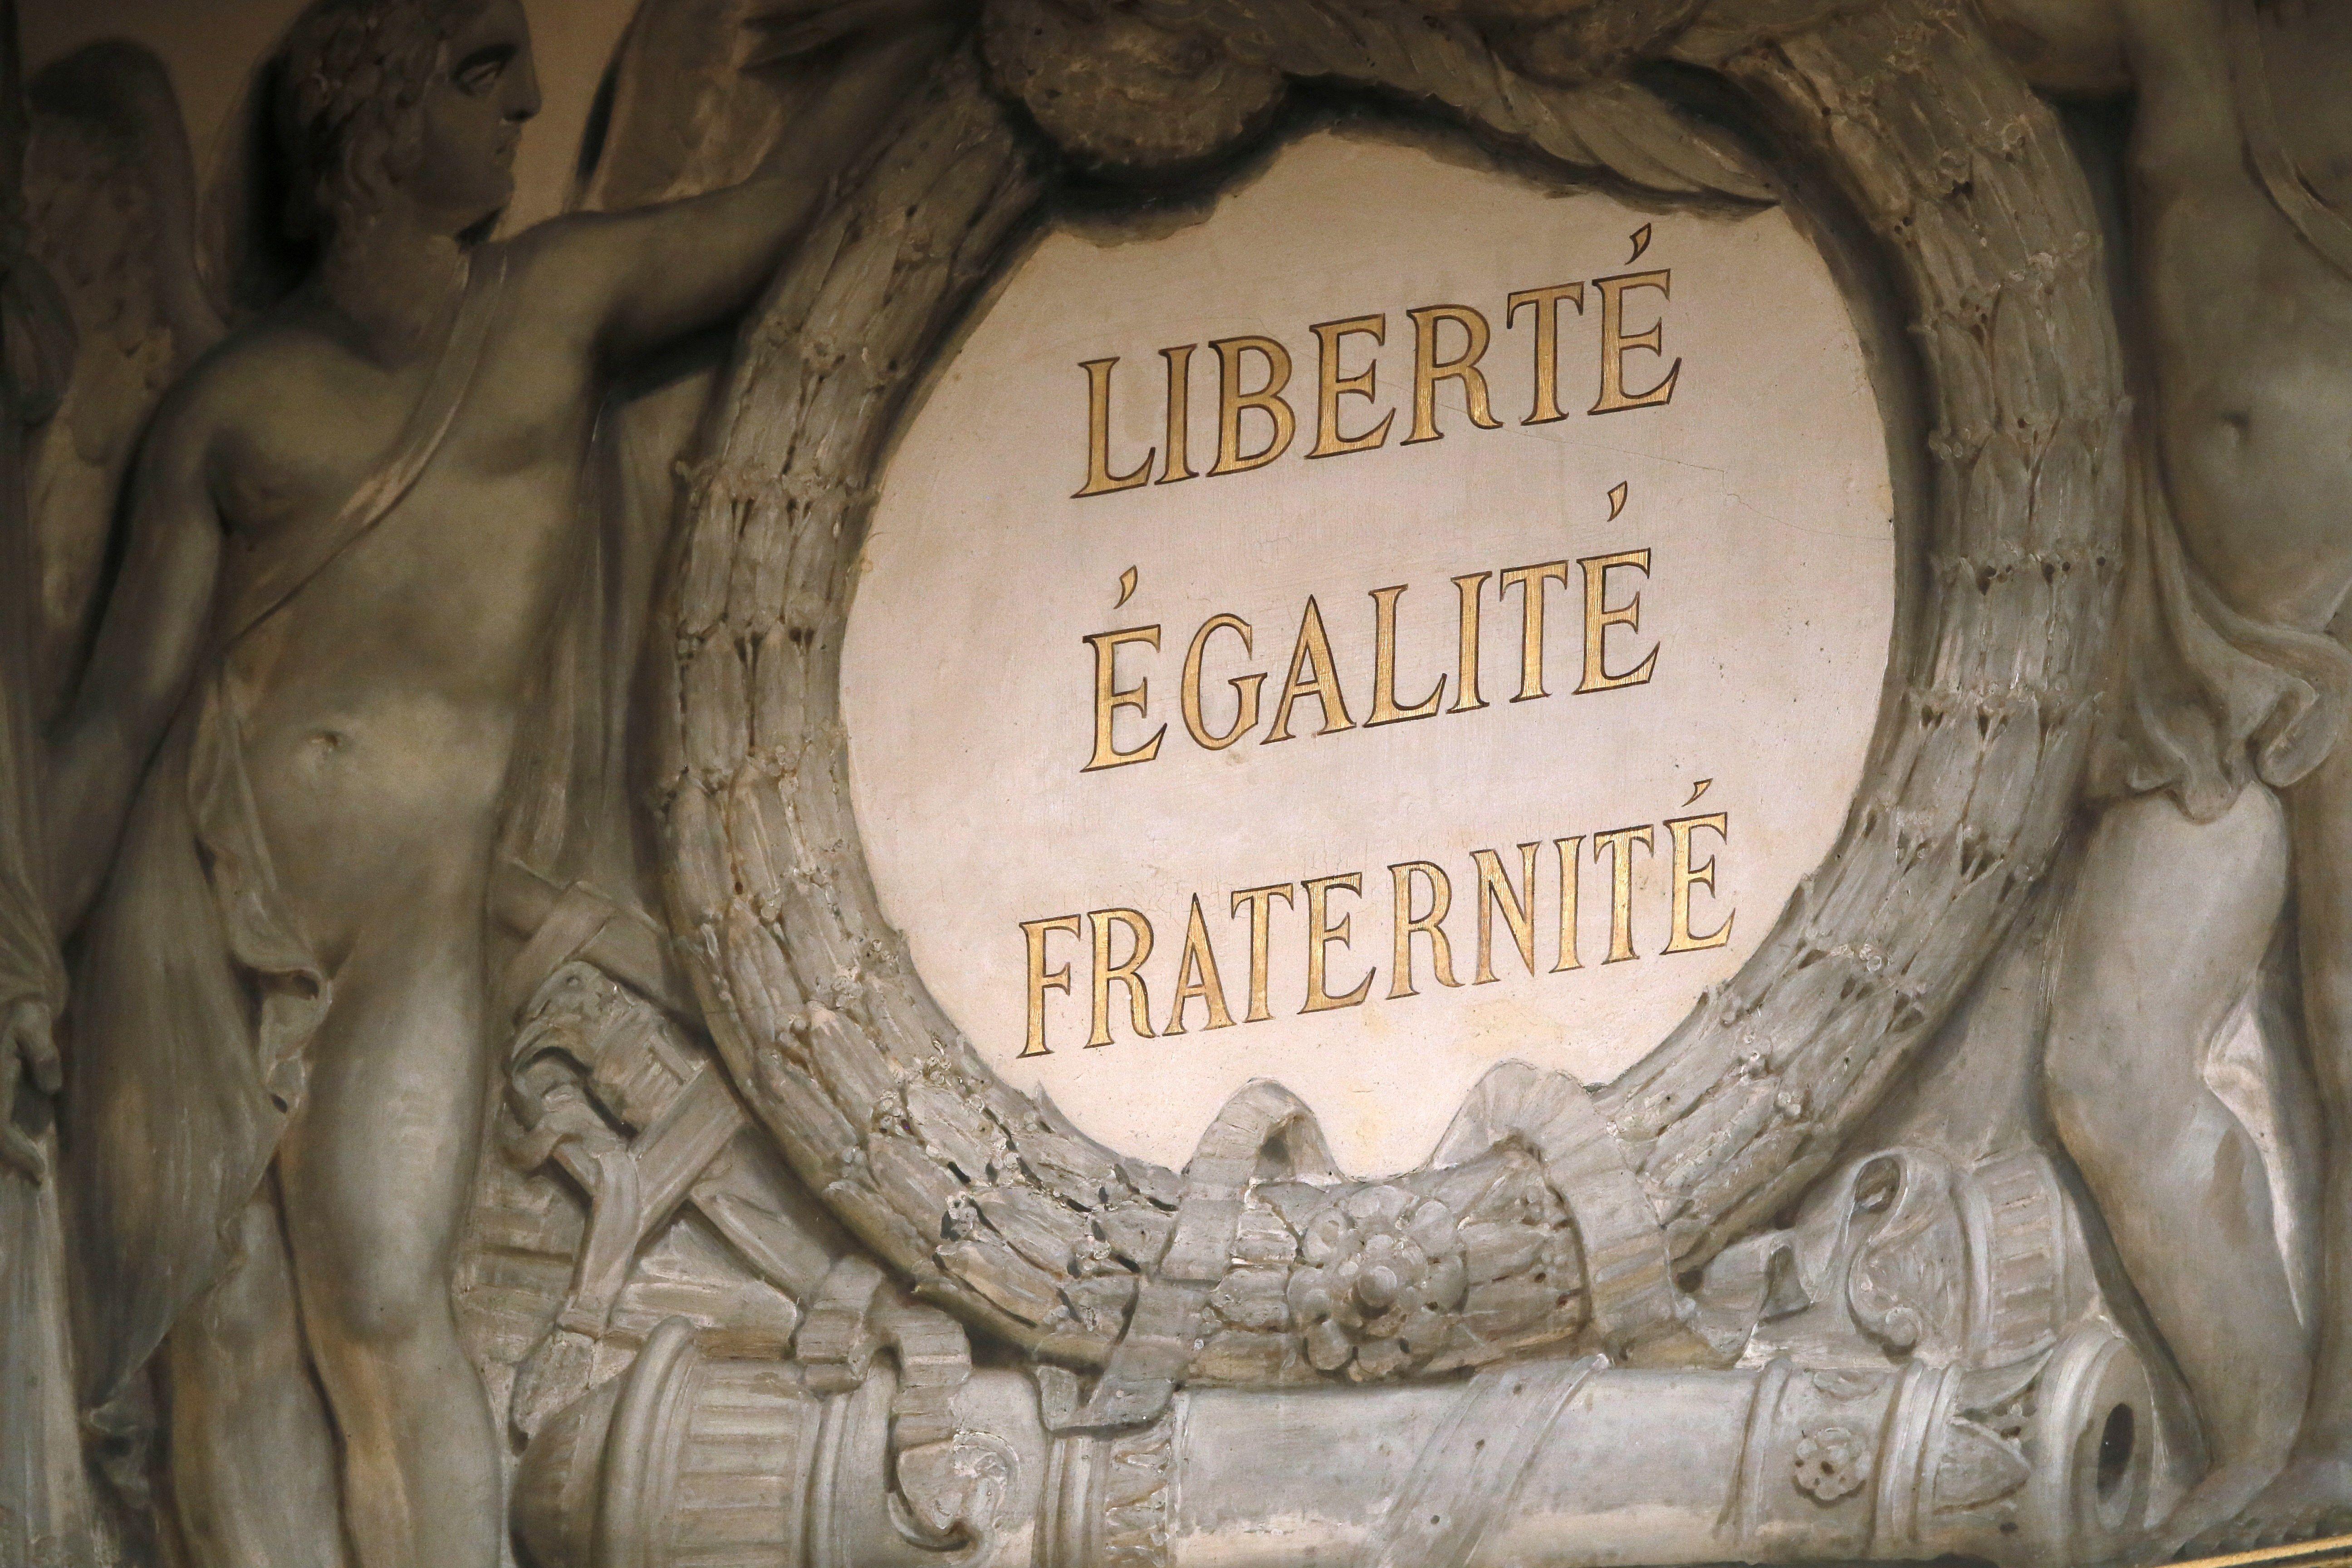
[[677, 113], [699, 90], [110, 187]]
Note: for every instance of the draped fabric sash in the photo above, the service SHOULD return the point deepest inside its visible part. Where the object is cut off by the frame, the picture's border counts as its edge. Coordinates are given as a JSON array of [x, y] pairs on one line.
[[199, 996], [2210, 700], [2324, 228], [2207, 699], [264, 937]]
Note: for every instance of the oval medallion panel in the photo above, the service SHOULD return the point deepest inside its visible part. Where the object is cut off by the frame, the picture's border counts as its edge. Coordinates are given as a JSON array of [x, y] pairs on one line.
[[1312, 645]]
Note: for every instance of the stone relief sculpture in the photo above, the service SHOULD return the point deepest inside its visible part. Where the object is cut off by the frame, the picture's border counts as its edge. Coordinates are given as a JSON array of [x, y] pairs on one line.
[[2226, 763], [41, 1483], [425, 673], [276, 1083]]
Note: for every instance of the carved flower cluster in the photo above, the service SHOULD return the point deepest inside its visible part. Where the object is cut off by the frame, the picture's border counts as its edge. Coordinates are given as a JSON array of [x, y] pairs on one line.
[[1383, 1269], [1830, 1463]]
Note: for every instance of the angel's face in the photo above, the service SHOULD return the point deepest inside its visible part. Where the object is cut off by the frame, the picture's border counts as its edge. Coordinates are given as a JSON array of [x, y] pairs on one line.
[[473, 114]]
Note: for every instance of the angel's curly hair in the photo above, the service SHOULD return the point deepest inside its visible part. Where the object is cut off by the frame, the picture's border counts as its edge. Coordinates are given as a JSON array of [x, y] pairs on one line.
[[350, 76]]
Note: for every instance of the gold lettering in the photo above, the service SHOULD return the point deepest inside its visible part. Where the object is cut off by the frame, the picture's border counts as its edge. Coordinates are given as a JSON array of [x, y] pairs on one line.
[[1384, 703], [1441, 950], [1041, 980], [1428, 370], [1231, 401], [1547, 303], [1323, 686], [1328, 442], [1321, 934], [1245, 687], [1196, 976], [1110, 696], [1107, 974], [1531, 582], [1615, 345], [1100, 480], [1620, 845], [1597, 619], [1178, 463], [1496, 892], [1466, 687], [1259, 901], [1571, 873], [1685, 874]]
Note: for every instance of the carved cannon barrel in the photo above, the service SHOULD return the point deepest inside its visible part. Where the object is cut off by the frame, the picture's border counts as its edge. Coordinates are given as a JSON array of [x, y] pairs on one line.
[[1560, 1464], [1575, 1464]]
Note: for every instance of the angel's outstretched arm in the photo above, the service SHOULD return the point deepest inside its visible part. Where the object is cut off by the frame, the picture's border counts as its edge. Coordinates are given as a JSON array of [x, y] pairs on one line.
[[147, 645], [647, 278], [2064, 45]]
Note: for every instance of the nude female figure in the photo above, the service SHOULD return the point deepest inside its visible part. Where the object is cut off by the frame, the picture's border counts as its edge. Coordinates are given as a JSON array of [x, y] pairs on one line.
[[295, 1234], [2248, 324]]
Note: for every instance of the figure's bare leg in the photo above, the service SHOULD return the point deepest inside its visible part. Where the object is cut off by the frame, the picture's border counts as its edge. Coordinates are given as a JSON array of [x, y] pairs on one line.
[[2313, 1496], [377, 1172], [253, 1460], [2170, 920]]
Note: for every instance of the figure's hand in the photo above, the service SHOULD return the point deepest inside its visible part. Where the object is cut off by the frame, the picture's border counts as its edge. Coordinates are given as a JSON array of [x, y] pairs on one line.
[[793, 29], [27, 1047]]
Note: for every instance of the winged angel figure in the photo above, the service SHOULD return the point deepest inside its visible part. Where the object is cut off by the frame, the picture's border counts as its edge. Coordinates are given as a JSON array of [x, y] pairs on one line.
[[348, 530]]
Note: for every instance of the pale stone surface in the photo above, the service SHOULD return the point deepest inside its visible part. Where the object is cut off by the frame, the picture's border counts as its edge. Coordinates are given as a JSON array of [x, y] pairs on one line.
[[1762, 493]]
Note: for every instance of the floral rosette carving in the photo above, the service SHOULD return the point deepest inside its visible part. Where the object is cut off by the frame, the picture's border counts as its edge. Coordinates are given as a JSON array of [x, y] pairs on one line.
[[1383, 1273], [1830, 1463]]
